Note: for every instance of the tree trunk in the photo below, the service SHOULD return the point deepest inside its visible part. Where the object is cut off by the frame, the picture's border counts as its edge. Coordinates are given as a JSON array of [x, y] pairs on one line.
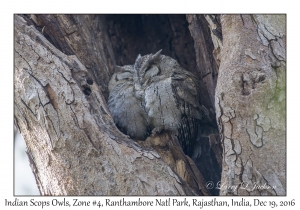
[[73, 145], [250, 104], [63, 64]]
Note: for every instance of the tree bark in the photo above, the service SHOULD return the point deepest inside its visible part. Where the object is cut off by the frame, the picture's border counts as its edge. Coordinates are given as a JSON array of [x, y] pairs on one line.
[[250, 105], [63, 64], [73, 145]]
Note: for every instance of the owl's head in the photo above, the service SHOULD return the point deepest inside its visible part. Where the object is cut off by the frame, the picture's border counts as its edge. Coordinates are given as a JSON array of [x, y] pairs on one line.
[[122, 74], [146, 66]]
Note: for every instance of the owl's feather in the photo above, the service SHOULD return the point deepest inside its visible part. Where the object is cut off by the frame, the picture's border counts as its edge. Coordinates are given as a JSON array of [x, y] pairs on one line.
[[127, 109]]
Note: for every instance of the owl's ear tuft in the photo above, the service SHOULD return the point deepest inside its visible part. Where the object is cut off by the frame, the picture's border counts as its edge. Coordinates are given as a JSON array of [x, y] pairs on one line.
[[138, 62], [138, 57], [156, 55]]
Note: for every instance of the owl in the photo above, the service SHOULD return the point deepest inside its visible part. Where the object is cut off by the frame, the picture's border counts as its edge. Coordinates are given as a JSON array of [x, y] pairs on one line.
[[126, 106], [156, 94]]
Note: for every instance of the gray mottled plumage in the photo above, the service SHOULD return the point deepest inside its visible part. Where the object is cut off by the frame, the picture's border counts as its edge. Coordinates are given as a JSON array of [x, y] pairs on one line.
[[126, 108], [167, 97]]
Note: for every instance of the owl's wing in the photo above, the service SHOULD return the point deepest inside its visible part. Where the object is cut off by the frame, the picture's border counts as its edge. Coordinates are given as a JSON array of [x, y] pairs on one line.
[[195, 121], [185, 89]]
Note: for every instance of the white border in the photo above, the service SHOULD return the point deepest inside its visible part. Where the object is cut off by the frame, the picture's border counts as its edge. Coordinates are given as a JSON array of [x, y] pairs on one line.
[[153, 6]]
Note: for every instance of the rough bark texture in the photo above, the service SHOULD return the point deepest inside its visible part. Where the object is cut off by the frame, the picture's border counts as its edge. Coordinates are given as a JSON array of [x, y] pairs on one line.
[[250, 104], [207, 66], [84, 36], [206, 63], [73, 145], [169, 149], [72, 93], [63, 64]]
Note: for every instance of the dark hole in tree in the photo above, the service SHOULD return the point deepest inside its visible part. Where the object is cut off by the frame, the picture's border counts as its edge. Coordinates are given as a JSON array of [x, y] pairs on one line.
[[89, 81], [143, 34], [131, 35], [86, 90], [261, 78]]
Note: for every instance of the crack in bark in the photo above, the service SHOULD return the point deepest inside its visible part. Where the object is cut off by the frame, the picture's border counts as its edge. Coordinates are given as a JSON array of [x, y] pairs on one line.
[[58, 137], [29, 45], [242, 20], [270, 33], [50, 139], [44, 88], [27, 107], [48, 95], [256, 135], [76, 121], [46, 116], [43, 105], [270, 41], [206, 74], [177, 190], [84, 129], [21, 112], [265, 37], [272, 50], [63, 65], [16, 123], [258, 28], [24, 60], [219, 121], [70, 33], [232, 148]]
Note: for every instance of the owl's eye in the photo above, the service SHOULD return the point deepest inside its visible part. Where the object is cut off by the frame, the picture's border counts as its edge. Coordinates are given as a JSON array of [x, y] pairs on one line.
[[124, 76], [152, 72], [148, 68]]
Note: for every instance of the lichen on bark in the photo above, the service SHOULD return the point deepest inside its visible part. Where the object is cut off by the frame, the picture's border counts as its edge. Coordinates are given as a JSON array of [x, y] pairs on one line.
[[251, 77]]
